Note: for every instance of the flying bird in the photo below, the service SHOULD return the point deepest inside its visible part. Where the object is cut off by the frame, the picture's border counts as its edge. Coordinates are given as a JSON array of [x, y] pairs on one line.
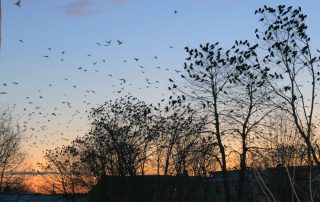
[[123, 80], [18, 3], [119, 42], [108, 43]]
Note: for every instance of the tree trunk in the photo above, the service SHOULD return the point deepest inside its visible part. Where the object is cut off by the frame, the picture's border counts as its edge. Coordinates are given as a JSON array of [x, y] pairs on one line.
[[222, 151], [242, 172]]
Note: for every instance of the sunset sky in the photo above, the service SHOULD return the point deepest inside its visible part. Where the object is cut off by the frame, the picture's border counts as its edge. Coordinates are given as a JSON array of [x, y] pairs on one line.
[[57, 52]]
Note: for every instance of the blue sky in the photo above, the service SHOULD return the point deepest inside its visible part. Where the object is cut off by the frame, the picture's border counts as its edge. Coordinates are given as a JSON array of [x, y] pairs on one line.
[[147, 28]]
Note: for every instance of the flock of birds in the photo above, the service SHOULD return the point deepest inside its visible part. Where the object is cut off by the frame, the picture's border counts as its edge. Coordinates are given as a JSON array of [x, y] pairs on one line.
[[46, 126]]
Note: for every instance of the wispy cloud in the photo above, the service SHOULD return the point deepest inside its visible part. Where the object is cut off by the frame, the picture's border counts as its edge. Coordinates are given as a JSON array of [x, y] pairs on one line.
[[227, 3], [120, 1], [80, 8]]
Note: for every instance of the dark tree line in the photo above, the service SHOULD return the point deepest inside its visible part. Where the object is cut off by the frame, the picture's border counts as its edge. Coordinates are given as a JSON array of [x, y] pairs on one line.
[[250, 107]]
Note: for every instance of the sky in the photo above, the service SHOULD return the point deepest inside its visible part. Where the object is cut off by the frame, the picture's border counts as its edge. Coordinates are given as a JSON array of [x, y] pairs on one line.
[[58, 53]]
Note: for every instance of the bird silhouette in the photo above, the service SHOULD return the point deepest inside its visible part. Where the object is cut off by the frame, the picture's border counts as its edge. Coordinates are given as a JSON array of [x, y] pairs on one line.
[[123, 80], [18, 3], [119, 42], [108, 43]]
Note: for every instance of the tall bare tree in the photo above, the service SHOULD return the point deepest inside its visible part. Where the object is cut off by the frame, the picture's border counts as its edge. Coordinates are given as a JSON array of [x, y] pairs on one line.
[[295, 65], [207, 75], [290, 57], [11, 156]]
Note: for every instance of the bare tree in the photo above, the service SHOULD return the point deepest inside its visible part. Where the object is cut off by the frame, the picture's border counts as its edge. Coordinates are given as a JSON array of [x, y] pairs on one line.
[[248, 101], [63, 172], [177, 132], [11, 157], [119, 141], [295, 65], [207, 76]]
